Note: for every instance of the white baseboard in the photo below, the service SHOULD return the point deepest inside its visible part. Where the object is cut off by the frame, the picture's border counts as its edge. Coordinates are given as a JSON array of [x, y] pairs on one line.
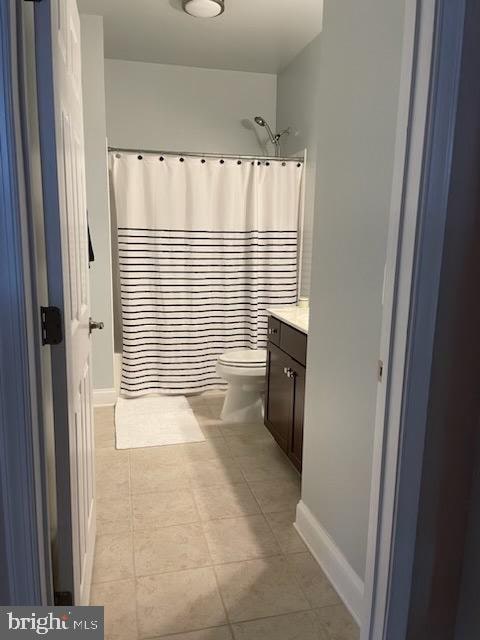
[[104, 397], [334, 564]]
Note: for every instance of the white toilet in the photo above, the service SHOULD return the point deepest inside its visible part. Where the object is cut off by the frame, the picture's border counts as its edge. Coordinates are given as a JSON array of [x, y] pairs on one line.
[[244, 370]]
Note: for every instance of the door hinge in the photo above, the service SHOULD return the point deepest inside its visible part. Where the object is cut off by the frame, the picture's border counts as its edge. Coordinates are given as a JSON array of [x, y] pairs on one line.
[[380, 370], [51, 325], [63, 598]]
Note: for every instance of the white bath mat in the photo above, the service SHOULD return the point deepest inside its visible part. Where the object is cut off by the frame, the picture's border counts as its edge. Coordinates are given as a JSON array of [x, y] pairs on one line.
[[153, 421]]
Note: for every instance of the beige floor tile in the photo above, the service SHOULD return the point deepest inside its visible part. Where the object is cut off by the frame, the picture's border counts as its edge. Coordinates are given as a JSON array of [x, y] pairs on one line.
[[259, 589], [212, 449], [251, 445], [170, 549], [157, 471], [284, 531], [336, 623], [112, 473], [251, 429], [213, 394], [107, 458], [210, 430], [269, 465], [213, 472], [314, 583], [293, 626], [104, 435], [214, 633], [156, 456], [114, 514], [206, 417], [163, 508], [233, 539], [197, 401], [225, 501], [276, 495], [178, 602], [104, 415], [209, 424], [113, 557], [118, 598], [215, 406]]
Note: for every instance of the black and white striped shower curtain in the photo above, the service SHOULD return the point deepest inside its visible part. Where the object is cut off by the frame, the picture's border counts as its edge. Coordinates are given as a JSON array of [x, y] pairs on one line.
[[204, 247]]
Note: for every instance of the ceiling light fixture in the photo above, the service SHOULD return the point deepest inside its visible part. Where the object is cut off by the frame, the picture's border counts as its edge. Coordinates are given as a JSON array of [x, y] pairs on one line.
[[204, 8]]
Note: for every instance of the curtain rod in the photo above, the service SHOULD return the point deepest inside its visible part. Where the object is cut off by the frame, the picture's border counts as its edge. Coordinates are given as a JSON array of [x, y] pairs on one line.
[[194, 154]]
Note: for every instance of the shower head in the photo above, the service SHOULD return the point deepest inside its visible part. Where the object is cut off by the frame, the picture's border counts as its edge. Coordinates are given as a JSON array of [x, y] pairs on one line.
[[263, 123], [274, 139]]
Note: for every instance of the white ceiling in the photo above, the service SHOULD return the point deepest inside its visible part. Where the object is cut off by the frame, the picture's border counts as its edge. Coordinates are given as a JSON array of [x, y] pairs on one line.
[[252, 35]]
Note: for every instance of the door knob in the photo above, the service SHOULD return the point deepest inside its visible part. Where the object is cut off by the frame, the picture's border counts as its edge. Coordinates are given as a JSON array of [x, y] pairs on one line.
[[93, 324]]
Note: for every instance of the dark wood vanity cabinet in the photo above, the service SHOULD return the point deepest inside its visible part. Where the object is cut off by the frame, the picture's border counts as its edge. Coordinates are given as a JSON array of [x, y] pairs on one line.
[[285, 388]]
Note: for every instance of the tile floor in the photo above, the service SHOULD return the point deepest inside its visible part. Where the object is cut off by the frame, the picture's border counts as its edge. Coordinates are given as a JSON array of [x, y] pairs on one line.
[[196, 542]]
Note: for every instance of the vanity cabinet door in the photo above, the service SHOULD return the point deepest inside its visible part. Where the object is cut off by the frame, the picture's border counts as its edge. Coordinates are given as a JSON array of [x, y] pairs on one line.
[[279, 401], [296, 439], [274, 330]]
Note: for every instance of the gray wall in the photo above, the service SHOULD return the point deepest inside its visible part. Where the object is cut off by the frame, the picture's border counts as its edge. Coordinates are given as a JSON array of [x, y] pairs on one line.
[[97, 197], [158, 106], [359, 86], [297, 107]]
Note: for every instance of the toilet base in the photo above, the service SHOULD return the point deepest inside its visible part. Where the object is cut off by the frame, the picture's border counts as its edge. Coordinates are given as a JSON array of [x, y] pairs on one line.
[[244, 370], [243, 403]]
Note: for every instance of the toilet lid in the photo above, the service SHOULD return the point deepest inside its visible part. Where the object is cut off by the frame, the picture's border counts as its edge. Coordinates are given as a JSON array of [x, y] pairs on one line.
[[244, 357]]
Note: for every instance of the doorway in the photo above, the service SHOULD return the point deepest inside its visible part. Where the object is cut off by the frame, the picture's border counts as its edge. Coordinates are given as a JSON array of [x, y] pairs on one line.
[[307, 568]]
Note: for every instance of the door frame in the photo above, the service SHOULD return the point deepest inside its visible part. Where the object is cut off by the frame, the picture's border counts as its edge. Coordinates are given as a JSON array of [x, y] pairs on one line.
[[453, 401], [64, 569], [423, 156], [72, 584], [410, 296], [24, 527]]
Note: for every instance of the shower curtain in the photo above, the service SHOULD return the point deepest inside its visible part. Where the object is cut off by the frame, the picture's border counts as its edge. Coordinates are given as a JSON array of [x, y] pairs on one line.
[[205, 245]]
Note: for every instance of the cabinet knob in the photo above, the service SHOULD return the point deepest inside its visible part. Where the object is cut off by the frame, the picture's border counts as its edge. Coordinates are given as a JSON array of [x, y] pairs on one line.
[[289, 372]]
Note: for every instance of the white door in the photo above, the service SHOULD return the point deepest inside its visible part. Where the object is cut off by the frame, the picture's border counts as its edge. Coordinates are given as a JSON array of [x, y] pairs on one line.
[[59, 87]]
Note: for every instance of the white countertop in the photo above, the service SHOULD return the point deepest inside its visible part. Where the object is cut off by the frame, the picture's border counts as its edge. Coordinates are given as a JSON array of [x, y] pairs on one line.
[[293, 315]]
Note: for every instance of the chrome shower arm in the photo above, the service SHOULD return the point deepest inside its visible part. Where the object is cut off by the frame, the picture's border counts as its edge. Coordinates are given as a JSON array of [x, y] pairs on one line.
[[285, 132], [273, 139]]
